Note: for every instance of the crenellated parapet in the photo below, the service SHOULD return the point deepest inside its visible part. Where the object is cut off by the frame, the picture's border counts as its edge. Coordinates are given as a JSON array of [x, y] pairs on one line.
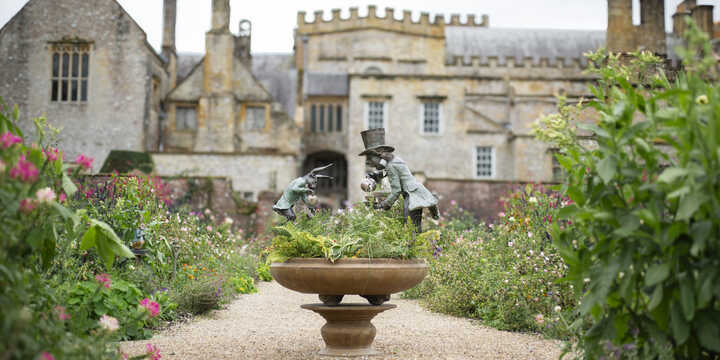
[[423, 27]]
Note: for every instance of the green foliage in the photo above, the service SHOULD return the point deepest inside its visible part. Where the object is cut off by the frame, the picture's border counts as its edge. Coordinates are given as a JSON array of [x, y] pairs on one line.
[[198, 296], [35, 223], [647, 208], [124, 161], [360, 231], [243, 284], [505, 274], [88, 301], [263, 272]]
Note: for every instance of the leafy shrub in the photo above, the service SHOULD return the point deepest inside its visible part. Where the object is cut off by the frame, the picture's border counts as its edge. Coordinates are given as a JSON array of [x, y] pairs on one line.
[[124, 161], [263, 272], [647, 206], [243, 284], [360, 231], [505, 274], [88, 301], [34, 184], [198, 296]]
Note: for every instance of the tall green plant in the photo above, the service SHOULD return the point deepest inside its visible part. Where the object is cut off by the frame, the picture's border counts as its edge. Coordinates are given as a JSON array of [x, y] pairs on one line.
[[647, 206]]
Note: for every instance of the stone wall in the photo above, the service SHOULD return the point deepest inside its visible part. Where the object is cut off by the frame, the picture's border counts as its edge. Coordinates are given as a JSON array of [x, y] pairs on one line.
[[481, 197], [248, 173], [120, 111]]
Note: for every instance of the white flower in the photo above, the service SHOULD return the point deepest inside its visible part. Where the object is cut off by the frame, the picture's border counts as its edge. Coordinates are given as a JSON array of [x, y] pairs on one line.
[[108, 323], [532, 200], [228, 220], [530, 234], [45, 195], [621, 274], [507, 281], [511, 219], [702, 99], [557, 308], [207, 211], [587, 280], [531, 252], [510, 243]]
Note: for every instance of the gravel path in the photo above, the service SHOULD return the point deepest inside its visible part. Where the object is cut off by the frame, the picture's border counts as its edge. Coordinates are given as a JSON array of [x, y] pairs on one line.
[[271, 325]]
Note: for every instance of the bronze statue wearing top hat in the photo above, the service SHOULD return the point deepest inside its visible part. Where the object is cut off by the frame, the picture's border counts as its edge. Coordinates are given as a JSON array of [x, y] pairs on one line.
[[402, 182]]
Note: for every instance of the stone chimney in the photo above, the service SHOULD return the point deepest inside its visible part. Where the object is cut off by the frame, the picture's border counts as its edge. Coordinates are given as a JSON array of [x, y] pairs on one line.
[[652, 26], [620, 31], [242, 43], [679, 22], [216, 108], [169, 51], [703, 17]]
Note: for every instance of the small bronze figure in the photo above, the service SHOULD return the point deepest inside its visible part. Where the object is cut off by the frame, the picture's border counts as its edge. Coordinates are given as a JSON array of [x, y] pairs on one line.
[[300, 188], [402, 182]]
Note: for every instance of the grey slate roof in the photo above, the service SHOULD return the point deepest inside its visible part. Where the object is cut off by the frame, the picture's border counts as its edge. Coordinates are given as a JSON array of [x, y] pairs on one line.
[[276, 72], [186, 62], [520, 43], [325, 84]]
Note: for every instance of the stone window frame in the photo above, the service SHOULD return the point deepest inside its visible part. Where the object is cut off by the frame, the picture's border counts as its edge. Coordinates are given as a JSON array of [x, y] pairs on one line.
[[185, 105], [326, 109], [243, 109], [366, 112], [493, 162], [70, 62], [432, 99]]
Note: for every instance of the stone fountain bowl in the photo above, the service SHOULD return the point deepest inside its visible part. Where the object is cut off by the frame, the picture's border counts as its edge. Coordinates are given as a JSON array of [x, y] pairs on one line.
[[365, 277]]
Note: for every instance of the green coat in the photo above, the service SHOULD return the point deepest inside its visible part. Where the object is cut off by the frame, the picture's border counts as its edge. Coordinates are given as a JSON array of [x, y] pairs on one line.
[[401, 179], [296, 190]]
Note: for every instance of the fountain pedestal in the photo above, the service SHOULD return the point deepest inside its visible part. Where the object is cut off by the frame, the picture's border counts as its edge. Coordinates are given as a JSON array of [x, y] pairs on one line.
[[348, 331]]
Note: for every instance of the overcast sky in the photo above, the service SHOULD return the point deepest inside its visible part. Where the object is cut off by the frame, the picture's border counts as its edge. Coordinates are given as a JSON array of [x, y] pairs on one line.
[[273, 21]]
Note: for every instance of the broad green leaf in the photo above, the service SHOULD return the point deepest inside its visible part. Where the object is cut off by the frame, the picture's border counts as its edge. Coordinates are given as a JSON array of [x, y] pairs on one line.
[[89, 238], [671, 174], [68, 185], [700, 231], [709, 334], [607, 168], [656, 298], [113, 241], [642, 144], [564, 161], [687, 298], [681, 191], [594, 128], [576, 195], [106, 253], [568, 211], [680, 328], [656, 274], [704, 294], [65, 213], [689, 205], [629, 223]]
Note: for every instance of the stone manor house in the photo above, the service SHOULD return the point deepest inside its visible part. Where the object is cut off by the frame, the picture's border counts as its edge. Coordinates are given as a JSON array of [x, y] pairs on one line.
[[457, 97]]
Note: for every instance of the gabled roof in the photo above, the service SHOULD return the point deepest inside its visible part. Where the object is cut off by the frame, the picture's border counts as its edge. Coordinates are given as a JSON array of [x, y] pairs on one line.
[[147, 44]]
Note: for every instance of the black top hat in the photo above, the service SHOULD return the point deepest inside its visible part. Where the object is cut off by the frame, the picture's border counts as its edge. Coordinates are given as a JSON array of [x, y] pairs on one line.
[[374, 140]]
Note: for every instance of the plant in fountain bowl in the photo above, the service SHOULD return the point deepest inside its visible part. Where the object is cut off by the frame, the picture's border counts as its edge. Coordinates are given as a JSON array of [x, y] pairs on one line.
[[358, 251]]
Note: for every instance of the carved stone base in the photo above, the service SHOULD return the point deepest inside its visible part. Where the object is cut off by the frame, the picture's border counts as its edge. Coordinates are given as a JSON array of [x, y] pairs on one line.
[[348, 331]]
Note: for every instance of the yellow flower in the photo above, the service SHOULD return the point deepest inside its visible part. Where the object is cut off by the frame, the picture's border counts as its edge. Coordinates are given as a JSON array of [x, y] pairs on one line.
[[191, 277], [702, 99]]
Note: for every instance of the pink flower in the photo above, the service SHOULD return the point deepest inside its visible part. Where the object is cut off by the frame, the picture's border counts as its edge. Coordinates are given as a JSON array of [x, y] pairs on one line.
[[51, 154], [45, 195], [62, 197], [7, 140], [61, 314], [501, 214], [84, 161], [150, 306], [108, 323], [208, 228], [27, 205], [45, 356], [24, 170], [540, 319], [103, 279], [453, 202], [152, 351]]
